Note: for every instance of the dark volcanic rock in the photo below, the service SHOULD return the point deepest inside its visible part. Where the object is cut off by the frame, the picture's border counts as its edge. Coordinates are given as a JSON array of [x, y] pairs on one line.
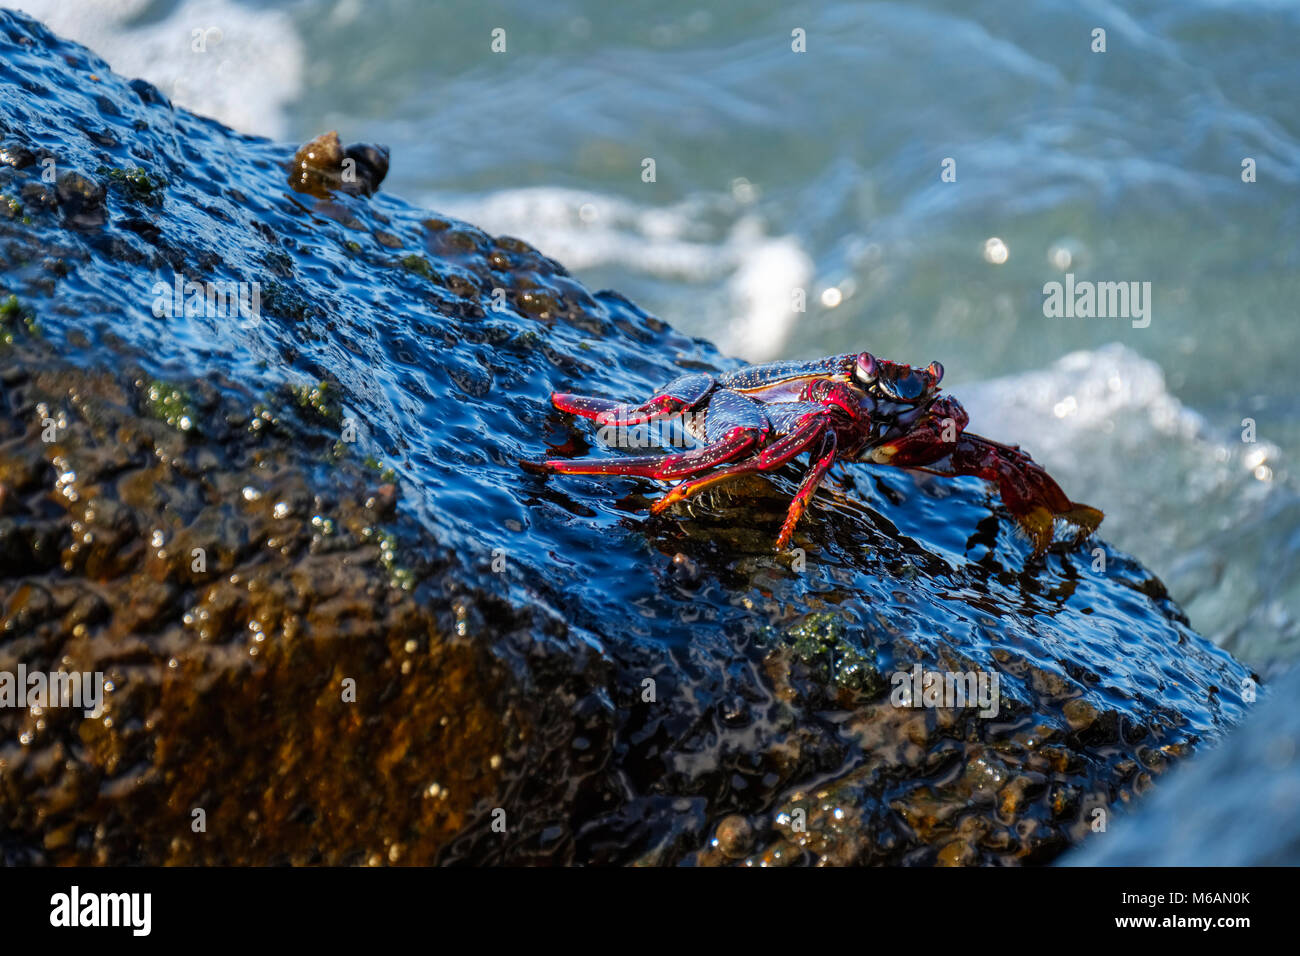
[[541, 672], [1234, 805]]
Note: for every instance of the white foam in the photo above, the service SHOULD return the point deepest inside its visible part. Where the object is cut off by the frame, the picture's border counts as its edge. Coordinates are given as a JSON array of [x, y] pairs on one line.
[[761, 289], [747, 276], [251, 66], [1082, 391]]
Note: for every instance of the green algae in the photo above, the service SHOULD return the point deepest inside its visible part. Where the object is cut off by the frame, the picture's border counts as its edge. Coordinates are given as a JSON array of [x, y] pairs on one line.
[[283, 299], [172, 405], [320, 400], [12, 316], [135, 182], [385, 473], [400, 576], [419, 265], [12, 208], [821, 642]]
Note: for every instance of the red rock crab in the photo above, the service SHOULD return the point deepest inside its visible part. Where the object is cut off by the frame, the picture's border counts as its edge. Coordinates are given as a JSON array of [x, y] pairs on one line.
[[853, 407]]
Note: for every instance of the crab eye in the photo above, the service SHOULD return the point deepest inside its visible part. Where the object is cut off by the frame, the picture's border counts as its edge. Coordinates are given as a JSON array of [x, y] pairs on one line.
[[936, 372], [866, 368]]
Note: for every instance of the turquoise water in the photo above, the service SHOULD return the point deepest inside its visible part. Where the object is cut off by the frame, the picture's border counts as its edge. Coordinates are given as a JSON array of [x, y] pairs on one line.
[[820, 171]]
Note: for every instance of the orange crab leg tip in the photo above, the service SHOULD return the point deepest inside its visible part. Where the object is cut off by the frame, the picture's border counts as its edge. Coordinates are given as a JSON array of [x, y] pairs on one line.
[[787, 532], [798, 505], [1038, 523], [797, 509], [686, 489], [1085, 518], [565, 402]]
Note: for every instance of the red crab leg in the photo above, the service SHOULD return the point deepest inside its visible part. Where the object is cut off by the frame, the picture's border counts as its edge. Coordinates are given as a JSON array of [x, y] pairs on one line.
[[807, 488], [773, 456], [677, 396], [734, 443], [1030, 494]]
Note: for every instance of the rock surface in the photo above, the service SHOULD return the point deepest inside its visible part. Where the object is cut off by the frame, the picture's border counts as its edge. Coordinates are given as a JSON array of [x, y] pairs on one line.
[[1234, 805], [541, 673]]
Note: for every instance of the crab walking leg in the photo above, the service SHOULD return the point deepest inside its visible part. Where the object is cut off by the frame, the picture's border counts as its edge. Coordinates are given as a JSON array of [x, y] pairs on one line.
[[939, 444], [675, 398], [807, 488], [733, 427], [736, 442], [1030, 494], [773, 456], [1028, 491]]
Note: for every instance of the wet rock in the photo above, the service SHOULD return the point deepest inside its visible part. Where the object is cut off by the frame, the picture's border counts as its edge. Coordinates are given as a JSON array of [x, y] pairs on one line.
[[684, 570], [264, 669], [16, 155], [734, 836], [81, 199], [333, 612], [1232, 806]]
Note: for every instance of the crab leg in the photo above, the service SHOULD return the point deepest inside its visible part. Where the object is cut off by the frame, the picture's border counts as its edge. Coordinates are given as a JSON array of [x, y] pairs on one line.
[[734, 443], [773, 456], [938, 444], [733, 426], [807, 488], [759, 376], [1030, 494], [677, 396]]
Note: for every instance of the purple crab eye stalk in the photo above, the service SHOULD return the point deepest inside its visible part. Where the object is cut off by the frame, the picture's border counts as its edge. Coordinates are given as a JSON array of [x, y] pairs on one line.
[[761, 418], [865, 372]]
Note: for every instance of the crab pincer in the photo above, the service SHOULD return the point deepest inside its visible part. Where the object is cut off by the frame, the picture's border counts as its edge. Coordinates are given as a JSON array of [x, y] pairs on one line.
[[939, 444]]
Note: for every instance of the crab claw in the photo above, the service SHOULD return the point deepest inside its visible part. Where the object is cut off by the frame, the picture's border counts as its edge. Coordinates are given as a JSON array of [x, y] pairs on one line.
[[937, 444], [1033, 498], [927, 439]]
